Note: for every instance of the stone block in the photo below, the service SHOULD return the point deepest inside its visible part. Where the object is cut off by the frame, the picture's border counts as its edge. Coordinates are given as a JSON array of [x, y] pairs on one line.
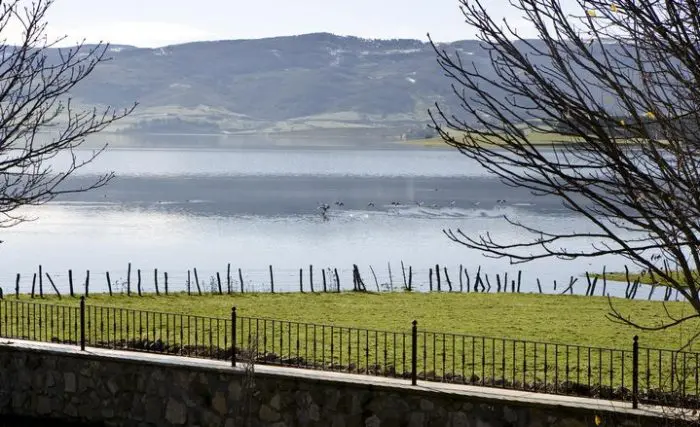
[[18, 399], [234, 391], [219, 403], [38, 381], [71, 410], [85, 384], [571, 422], [356, 404], [416, 419], [112, 386], [154, 407], [209, 418], [459, 419], [373, 421], [276, 402], [43, 405], [426, 405], [467, 407], [338, 421], [107, 412], [175, 412], [268, 414], [510, 414], [50, 380]]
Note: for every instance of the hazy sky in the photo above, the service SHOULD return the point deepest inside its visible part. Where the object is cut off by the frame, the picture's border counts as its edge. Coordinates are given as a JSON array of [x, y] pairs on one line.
[[152, 23]]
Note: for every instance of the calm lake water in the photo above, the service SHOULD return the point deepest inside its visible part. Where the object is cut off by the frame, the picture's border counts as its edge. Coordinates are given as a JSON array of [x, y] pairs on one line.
[[181, 203]]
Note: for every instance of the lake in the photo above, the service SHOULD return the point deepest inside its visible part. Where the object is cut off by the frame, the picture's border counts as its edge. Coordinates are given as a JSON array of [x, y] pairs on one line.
[[179, 203]]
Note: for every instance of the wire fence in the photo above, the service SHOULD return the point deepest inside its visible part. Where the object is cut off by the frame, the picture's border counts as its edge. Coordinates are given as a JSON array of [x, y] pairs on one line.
[[313, 279], [649, 375]]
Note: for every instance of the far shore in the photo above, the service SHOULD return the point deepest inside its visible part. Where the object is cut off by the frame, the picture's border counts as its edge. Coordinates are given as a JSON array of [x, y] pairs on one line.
[[536, 139]]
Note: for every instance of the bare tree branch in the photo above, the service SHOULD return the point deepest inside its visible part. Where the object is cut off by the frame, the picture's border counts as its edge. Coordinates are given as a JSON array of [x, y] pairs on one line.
[[617, 317], [38, 120], [620, 84]]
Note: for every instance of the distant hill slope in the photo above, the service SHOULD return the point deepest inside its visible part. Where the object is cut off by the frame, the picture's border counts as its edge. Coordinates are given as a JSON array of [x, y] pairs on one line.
[[300, 83]]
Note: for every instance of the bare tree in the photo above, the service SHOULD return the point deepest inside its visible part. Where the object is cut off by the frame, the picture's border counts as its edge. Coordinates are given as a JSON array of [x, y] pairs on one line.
[[249, 390], [38, 120], [620, 82]]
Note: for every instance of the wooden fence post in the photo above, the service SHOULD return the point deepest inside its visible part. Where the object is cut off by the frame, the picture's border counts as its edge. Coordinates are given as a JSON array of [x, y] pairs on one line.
[[403, 272], [228, 278], [196, 281], [155, 281], [70, 283], [53, 285], [311, 278], [41, 283], [437, 277], [128, 280], [272, 281], [109, 283]]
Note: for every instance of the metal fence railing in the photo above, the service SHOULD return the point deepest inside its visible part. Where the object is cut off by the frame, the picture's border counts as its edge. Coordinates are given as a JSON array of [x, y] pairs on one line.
[[635, 374], [327, 347]]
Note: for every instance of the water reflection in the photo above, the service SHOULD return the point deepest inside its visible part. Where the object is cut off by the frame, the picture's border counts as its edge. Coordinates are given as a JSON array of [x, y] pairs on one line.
[[179, 209]]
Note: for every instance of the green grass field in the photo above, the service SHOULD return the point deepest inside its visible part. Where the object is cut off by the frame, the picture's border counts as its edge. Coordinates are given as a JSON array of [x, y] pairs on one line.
[[543, 139], [644, 278], [537, 139], [568, 319], [332, 331]]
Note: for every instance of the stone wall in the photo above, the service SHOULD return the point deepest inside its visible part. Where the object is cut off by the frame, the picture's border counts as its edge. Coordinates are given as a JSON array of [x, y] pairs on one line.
[[114, 389]]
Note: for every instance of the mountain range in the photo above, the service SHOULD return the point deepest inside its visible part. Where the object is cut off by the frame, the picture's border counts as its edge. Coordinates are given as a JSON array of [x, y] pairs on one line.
[[311, 83]]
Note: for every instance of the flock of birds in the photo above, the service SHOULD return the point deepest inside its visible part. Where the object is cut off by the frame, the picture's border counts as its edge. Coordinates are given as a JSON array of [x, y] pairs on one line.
[[324, 207]]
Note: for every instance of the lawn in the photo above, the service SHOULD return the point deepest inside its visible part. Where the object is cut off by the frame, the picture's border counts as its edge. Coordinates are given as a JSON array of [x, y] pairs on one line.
[[464, 337], [567, 319]]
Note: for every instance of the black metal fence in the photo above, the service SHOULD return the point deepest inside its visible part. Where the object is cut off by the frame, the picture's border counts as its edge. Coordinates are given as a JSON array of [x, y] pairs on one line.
[[635, 374]]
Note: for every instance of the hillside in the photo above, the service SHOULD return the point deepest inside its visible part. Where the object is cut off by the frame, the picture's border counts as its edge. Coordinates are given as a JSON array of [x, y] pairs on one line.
[[300, 83], [313, 83]]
